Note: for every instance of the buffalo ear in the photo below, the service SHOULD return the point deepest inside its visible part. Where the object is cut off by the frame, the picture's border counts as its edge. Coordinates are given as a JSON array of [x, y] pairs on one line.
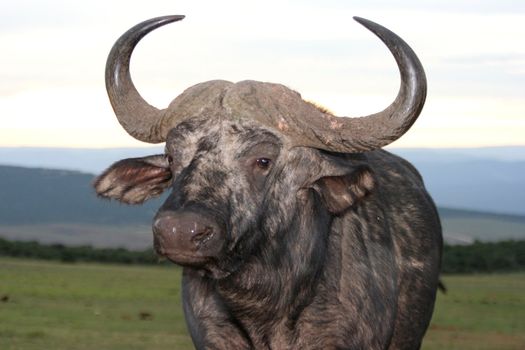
[[342, 192], [134, 180]]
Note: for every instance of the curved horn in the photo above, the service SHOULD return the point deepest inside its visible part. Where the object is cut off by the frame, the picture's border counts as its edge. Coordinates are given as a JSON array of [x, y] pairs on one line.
[[137, 117], [323, 130]]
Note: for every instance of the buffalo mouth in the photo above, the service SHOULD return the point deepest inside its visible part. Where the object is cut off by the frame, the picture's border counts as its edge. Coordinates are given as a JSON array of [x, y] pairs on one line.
[[206, 265], [179, 257]]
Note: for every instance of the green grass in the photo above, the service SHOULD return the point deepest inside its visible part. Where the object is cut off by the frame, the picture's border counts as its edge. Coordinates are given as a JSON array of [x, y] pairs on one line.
[[90, 306], [479, 312]]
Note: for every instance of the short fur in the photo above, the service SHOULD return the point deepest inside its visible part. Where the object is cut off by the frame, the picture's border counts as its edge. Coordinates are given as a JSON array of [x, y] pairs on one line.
[[322, 250]]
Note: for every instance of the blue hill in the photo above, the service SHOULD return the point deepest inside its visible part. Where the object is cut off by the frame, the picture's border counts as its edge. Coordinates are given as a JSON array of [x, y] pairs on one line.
[[481, 179]]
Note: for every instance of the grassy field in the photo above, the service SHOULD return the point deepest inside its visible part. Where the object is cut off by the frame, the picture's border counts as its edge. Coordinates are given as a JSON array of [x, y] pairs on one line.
[[47, 305], [479, 312], [88, 306]]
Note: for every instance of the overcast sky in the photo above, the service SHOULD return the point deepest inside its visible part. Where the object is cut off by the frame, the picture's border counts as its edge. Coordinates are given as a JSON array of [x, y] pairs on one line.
[[53, 54]]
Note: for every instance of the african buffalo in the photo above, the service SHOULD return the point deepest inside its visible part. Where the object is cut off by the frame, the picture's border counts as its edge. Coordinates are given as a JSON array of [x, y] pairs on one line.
[[295, 230]]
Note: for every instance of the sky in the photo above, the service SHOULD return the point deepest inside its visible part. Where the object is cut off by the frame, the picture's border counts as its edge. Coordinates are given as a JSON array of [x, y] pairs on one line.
[[53, 53]]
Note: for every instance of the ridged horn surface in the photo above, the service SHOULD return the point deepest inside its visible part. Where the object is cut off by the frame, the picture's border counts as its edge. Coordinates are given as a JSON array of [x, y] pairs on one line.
[[137, 117]]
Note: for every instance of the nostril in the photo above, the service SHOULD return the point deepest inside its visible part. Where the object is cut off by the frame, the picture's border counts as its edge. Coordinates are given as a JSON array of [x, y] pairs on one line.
[[203, 236]]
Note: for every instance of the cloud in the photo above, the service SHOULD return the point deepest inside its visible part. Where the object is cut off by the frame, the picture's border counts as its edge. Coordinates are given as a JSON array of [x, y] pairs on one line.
[[27, 15], [489, 59], [446, 6], [56, 52]]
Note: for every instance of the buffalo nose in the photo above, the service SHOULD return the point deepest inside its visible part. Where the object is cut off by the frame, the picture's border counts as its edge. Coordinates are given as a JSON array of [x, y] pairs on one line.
[[186, 230]]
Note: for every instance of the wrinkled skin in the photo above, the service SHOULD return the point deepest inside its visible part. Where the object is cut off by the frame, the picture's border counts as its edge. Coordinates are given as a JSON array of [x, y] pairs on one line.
[[299, 248]]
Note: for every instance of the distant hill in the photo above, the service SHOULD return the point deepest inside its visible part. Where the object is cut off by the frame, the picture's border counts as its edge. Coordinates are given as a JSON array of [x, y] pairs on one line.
[[60, 206], [480, 185], [87, 160], [36, 196], [490, 179]]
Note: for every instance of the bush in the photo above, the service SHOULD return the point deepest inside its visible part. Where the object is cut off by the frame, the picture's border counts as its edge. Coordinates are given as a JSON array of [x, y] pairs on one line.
[[64, 253], [484, 257], [478, 257]]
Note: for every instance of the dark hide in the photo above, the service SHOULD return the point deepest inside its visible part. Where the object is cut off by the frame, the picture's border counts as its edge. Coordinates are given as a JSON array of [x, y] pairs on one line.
[[317, 250]]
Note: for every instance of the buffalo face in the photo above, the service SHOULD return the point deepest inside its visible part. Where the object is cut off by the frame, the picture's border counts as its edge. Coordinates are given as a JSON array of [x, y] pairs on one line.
[[218, 177], [249, 162], [234, 187]]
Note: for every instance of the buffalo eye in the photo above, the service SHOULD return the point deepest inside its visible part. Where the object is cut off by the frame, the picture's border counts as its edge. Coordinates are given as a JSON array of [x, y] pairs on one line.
[[263, 163], [170, 159]]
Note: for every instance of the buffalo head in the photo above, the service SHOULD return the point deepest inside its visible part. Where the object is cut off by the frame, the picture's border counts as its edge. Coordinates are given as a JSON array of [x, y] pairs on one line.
[[247, 162]]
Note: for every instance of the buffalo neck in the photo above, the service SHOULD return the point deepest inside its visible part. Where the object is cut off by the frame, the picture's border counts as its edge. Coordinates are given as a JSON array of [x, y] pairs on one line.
[[280, 278]]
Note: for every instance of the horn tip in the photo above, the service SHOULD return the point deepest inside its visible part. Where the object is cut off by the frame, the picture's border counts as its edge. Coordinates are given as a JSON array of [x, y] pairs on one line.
[[363, 21], [162, 20], [174, 18]]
